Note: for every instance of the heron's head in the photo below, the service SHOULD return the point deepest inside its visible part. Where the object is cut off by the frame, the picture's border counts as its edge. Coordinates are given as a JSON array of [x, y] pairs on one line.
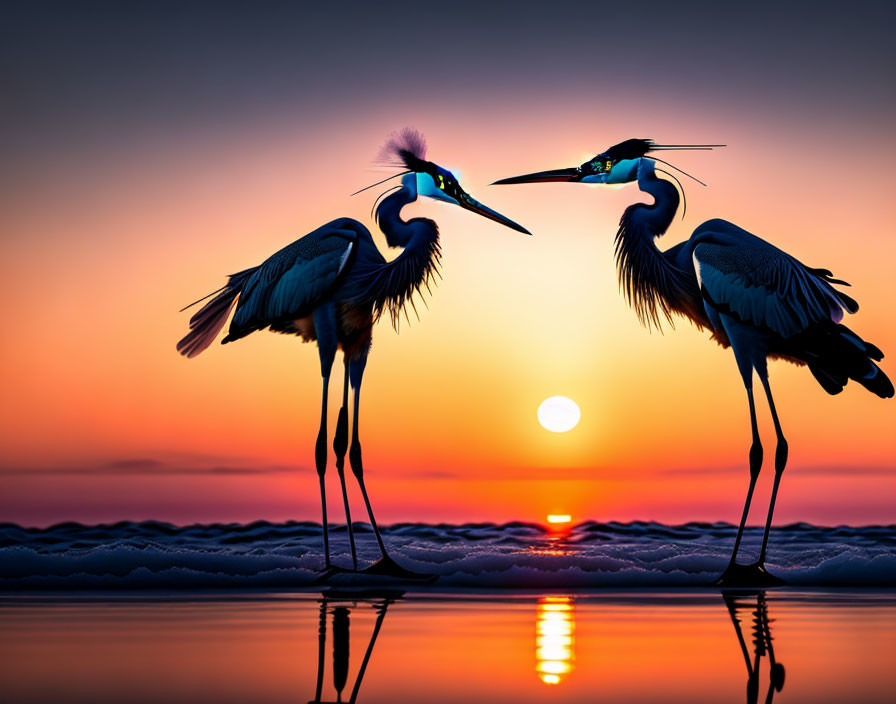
[[426, 178], [618, 164]]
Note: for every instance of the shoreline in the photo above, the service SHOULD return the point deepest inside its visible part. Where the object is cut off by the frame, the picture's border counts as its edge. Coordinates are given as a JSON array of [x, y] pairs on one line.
[[660, 595]]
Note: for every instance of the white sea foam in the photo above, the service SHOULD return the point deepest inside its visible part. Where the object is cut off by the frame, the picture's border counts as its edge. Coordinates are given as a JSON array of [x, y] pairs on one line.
[[481, 555]]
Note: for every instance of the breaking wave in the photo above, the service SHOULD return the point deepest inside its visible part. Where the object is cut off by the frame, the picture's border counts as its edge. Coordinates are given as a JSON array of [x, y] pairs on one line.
[[154, 555]]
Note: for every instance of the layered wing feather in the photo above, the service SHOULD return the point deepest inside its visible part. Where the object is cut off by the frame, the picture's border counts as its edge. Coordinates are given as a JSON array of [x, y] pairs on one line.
[[746, 277], [294, 281]]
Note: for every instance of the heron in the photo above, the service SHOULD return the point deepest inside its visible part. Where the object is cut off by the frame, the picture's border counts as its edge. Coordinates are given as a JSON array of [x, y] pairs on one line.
[[331, 286], [750, 606], [751, 296]]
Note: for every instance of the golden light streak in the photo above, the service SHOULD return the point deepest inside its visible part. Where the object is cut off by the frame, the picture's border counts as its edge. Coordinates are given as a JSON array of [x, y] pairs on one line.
[[554, 639]]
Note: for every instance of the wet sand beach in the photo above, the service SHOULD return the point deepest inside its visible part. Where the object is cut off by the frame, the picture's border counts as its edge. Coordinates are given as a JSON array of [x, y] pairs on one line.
[[699, 645]]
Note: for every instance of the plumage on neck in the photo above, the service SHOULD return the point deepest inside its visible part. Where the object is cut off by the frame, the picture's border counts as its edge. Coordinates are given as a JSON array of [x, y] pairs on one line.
[[653, 285], [392, 285]]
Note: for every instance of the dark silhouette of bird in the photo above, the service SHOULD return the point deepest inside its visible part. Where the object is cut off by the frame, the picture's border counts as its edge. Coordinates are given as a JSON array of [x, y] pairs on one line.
[[752, 606], [340, 606], [752, 296], [331, 286]]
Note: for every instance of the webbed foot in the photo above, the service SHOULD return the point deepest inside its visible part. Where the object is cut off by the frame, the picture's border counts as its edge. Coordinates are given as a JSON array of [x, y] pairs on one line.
[[752, 575], [387, 567], [332, 570]]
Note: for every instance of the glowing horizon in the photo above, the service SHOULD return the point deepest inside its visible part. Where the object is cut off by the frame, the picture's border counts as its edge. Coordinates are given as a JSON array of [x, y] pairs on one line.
[[137, 188]]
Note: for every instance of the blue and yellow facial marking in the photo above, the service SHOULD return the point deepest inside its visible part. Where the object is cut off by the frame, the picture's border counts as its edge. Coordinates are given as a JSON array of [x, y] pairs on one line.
[[602, 169], [440, 184], [600, 165]]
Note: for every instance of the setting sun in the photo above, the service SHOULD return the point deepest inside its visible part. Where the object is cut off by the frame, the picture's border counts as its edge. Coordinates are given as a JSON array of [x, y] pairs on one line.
[[559, 518], [559, 414]]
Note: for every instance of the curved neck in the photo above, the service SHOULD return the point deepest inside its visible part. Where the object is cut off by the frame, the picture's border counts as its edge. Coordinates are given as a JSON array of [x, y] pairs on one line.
[[398, 232], [393, 284], [657, 217], [653, 285]]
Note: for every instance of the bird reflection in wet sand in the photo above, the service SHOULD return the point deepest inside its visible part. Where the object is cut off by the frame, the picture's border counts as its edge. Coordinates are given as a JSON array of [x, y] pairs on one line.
[[339, 608], [739, 604], [554, 638]]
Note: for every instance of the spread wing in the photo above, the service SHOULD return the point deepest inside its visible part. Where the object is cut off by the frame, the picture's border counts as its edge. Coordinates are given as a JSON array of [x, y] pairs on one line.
[[746, 277], [294, 281]]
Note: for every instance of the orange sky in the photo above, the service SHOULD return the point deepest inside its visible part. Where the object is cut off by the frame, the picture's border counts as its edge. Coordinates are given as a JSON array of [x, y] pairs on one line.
[[104, 241]]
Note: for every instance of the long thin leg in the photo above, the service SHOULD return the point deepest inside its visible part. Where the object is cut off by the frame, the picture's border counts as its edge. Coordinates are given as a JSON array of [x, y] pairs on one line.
[[780, 463], [385, 565], [320, 459], [748, 345], [381, 615], [354, 453], [755, 467], [321, 649], [341, 638], [340, 445], [325, 325], [776, 671], [731, 603]]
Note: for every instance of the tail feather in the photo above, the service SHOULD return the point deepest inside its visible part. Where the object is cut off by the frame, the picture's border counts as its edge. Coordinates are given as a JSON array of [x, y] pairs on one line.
[[207, 322], [877, 382], [874, 352], [825, 275], [835, 354], [830, 382]]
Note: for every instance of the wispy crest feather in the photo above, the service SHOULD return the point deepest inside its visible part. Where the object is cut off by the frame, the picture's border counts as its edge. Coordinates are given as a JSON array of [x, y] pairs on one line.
[[404, 149], [392, 287]]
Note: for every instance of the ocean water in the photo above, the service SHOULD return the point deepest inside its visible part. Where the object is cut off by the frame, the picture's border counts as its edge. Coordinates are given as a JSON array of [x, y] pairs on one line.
[[262, 555]]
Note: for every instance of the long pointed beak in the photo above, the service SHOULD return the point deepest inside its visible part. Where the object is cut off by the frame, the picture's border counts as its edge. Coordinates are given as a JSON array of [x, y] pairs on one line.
[[471, 203], [552, 176]]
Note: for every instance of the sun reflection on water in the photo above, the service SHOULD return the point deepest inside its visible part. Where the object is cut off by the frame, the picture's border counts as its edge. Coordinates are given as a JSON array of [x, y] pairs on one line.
[[554, 638]]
